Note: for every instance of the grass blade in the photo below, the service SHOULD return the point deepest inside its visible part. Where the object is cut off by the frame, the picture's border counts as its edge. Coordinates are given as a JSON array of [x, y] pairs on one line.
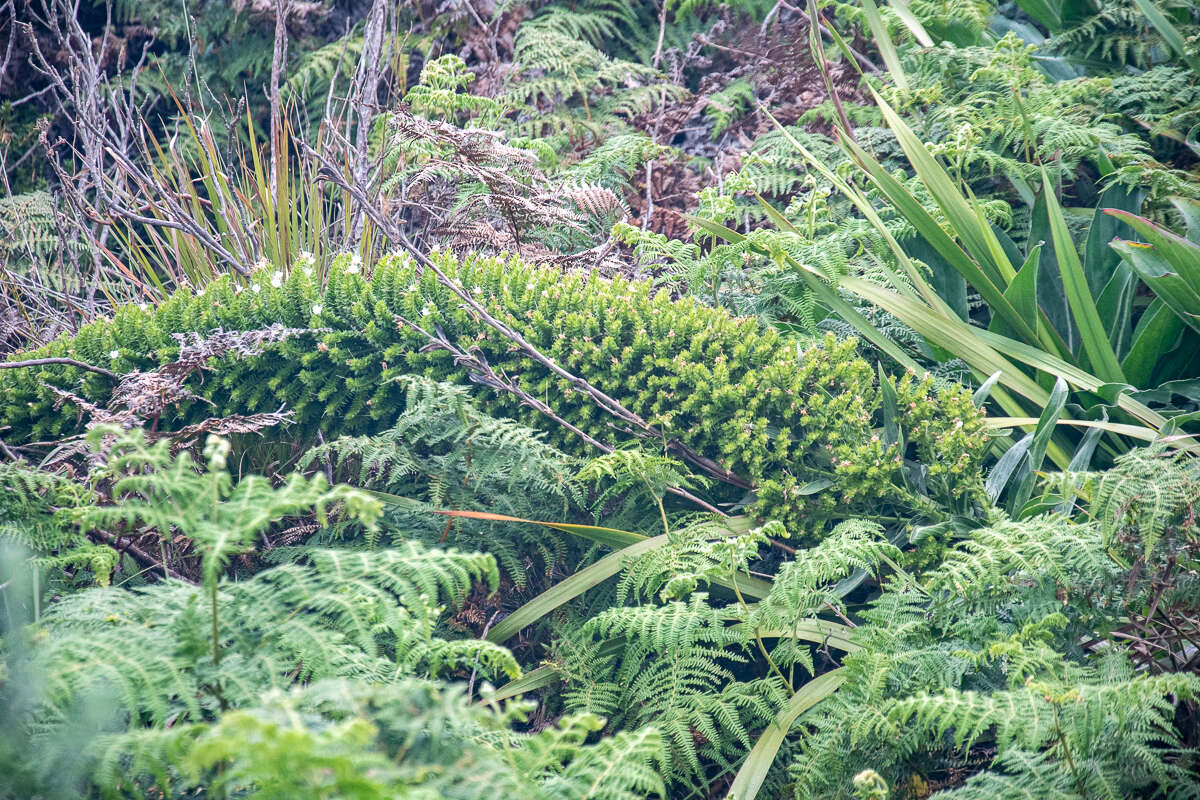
[[887, 49]]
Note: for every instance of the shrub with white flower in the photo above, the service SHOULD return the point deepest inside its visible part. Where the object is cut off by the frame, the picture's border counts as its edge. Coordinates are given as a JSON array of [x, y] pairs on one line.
[[306, 261], [256, 288], [277, 278]]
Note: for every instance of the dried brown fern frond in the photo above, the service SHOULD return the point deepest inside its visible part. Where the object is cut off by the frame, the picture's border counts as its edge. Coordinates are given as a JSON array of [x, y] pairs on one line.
[[146, 395], [498, 187], [227, 426], [141, 398], [522, 213], [593, 200]]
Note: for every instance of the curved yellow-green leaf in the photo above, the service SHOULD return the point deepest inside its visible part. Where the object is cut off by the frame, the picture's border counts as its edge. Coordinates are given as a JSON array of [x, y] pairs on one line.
[[754, 769]]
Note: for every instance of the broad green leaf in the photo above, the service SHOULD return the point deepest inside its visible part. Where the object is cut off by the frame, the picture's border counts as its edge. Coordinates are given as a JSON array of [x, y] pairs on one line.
[[544, 675], [1046, 13], [1081, 461], [606, 536], [1182, 254], [825, 293], [1157, 333], [1073, 375], [1168, 285], [1132, 431], [1099, 260], [981, 394], [978, 239], [530, 681], [911, 22], [818, 631], [1190, 211], [947, 281], [1037, 446], [1052, 298], [987, 284], [1092, 332], [952, 334], [1006, 466], [1115, 306], [749, 585], [1022, 293], [891, 424]]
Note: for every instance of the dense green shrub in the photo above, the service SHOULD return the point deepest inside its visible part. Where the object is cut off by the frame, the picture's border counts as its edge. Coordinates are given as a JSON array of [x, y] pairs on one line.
[[793, 416]]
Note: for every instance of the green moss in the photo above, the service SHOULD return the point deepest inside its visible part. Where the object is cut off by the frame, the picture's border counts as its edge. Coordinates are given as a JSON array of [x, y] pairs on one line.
[[790, 415]]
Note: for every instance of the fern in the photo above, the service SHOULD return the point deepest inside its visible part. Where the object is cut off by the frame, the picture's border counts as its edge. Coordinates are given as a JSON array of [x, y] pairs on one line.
[[560, 70], [975, 658], [363, 615], [694, 555], [35, 517], [1146, 492], [445, 452], [1034, 549], [728, 105], [410, 738], [674, 655], [310, 78], [804, 586]]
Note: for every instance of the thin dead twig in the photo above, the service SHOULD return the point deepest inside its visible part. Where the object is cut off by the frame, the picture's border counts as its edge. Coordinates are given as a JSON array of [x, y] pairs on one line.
[[142, 556], [37, 362]]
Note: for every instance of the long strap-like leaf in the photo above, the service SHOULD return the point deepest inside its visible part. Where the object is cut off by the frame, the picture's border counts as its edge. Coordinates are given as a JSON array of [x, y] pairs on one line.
[[754, 769]]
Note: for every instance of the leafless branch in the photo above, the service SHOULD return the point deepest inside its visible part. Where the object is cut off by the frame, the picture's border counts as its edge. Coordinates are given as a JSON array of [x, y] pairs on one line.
[[37, 362], [142, 556]]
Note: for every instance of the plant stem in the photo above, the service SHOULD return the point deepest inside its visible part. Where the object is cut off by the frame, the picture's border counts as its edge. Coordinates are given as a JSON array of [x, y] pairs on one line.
[[1062, 739], [215, 634], [761, 647]]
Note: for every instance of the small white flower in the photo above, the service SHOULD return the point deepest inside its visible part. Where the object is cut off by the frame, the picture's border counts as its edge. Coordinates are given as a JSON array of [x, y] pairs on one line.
[[200, 293], [306, 257], [427, 310], [308, 272], [143, 306], [355, 264], [277, 278], [114, 353], [262, 263], [317, 309], [478, 290], [254, 287]]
